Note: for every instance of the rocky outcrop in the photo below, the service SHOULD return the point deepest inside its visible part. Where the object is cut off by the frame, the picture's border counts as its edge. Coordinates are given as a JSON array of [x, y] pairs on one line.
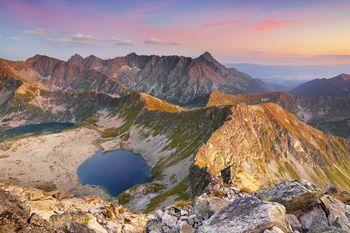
[[294, 195], [216, 196], [308, 209], [267, 212], [247, 214], [31, 210], [260, 145]]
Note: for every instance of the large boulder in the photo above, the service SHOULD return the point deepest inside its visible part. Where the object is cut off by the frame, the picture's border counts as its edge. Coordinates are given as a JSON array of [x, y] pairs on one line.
[[247, 214], [296, 196], [338, 213], [216, 196], [314, 220]]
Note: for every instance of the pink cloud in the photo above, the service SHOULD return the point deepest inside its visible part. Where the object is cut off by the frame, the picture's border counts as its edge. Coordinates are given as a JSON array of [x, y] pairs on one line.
[[274, 24]]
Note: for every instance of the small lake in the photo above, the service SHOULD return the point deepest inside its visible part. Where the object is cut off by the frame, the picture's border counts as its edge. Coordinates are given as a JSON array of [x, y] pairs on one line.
[[34, 129], [115, 171]]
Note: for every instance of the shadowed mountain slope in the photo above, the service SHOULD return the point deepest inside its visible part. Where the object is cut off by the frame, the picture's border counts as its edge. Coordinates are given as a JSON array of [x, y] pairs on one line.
[[337, 86]]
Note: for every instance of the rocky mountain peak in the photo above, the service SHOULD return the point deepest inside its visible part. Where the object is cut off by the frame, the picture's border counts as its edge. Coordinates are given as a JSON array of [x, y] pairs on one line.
[[76, 59], [206, 56], [132, 55], [344, 77]]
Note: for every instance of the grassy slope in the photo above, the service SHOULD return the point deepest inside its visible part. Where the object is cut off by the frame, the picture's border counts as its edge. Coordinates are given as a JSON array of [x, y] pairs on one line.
[[186, 131]]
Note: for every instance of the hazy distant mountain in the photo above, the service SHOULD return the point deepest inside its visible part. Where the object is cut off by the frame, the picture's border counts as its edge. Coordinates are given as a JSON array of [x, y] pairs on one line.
[[290, 76], [174, 78], [337, 86]]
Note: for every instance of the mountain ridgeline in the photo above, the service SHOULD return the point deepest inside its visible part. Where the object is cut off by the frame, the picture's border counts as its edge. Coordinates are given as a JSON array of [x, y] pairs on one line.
[[336, 86], [176, 79], [328, 113]]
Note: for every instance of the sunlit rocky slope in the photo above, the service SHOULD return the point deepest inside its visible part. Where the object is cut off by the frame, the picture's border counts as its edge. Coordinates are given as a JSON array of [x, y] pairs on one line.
[[328, 113]]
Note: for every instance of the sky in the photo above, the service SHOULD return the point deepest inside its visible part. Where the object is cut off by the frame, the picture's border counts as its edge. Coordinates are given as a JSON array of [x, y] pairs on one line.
[[237, 31]]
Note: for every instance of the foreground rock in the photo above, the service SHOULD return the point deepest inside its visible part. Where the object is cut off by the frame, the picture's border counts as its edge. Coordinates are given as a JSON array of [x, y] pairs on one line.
[[248, 214], [308, 210], [216, 196], [174, 219], [294, 195], [31, 210]]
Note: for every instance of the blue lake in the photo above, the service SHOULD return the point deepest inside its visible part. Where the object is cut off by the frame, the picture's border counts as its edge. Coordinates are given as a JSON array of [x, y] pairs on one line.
[[34, 129], [115, 171]]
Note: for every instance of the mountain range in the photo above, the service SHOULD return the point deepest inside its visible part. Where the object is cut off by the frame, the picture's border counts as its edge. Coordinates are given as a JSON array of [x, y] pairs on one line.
[[336, 86], [194, 121], [174, 78]]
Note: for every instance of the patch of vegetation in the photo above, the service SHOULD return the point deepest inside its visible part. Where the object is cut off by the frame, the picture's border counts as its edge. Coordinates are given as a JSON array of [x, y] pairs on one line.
[[47, 186], [154, 187], [110, 133], [291, 171], [91, 120], [340, 179], [124, 198], [182, 203], [179, 190]]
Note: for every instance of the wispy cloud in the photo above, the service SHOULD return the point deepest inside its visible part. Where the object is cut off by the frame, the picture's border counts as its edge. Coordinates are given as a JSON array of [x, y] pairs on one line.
[[87, 39], [80, 37], [1, 37], [41, 31], [174, 43], [155, 41], [117, 41], [14, 38]]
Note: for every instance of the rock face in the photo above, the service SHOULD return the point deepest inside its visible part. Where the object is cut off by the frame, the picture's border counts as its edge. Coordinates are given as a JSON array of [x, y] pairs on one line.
[[260, 145], [337, 86], [176, 79], [31, 210], [27, 101], [247, 214]]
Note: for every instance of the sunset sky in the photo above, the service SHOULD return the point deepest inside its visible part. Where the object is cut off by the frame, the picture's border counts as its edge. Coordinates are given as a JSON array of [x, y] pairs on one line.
[[266, 32]]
